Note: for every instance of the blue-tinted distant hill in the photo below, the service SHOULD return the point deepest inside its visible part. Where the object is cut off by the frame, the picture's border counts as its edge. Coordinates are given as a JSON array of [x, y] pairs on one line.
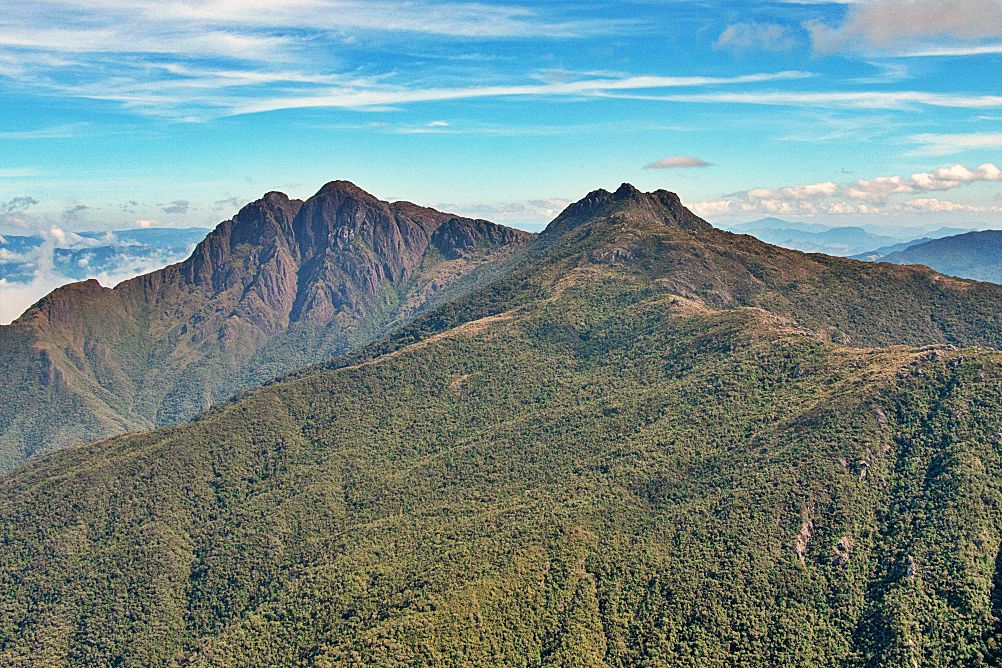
[[878, 254], [975, 255], [860, 243], [813, 237]]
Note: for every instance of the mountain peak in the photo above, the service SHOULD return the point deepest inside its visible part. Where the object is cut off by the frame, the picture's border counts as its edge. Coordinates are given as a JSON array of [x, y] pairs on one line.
[[626, 191], [642, 212], [345, 189]]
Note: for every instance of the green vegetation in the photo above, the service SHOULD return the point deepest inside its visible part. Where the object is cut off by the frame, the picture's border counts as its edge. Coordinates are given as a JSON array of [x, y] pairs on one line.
[[612, 455]]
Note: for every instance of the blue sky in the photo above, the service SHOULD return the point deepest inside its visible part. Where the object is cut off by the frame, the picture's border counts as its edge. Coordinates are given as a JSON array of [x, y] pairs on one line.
[[125, 113]]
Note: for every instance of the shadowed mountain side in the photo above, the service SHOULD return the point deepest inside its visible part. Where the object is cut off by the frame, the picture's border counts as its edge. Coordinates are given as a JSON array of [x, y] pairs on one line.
[[281, 285]]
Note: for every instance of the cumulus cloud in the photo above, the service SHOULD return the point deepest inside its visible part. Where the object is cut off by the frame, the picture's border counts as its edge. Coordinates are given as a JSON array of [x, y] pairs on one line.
[[934, 205], [756, 37], [678, 162], [862, 196], [902, 24]]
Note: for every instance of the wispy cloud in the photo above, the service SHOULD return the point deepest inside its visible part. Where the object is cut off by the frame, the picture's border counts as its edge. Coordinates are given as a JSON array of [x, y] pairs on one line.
[[830, 99], [64, 131], [863, 196], [678, 162], [196, 61], [384, 97], [177, 207], [18, 172], [947, 144], [169, 58], [950, 52], [17, 204]]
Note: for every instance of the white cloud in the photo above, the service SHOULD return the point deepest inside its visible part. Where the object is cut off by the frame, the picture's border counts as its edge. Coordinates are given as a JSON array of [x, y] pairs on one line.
[[756, 36], [946, 144], [172, 58], [954, 51], [954, 176], [888, 25], [678, 162], [863, 196], [933, 205], [530, 214], [878, 189]]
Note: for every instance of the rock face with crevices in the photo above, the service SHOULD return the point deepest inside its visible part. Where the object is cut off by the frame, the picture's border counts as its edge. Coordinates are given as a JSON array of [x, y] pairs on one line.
[[281, 285]]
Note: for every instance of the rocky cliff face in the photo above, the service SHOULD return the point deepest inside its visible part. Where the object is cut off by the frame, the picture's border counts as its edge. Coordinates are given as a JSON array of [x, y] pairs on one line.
[[281, 285]]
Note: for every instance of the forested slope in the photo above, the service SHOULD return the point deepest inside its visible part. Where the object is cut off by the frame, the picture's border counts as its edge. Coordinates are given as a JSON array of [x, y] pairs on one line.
[[615, 455]]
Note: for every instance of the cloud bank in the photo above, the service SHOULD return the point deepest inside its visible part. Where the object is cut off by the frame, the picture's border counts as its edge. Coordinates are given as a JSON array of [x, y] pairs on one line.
[[863, 196]]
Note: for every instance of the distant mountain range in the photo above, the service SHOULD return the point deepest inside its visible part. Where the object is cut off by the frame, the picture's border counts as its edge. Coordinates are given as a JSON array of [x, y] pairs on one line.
[[839, 241]]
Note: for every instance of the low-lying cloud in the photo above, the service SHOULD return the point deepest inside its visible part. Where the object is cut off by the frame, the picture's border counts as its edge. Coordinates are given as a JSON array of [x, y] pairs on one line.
[[89, 258]]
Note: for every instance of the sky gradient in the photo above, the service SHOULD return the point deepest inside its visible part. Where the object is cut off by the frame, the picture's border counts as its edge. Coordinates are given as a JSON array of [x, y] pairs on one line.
[[128, 113]]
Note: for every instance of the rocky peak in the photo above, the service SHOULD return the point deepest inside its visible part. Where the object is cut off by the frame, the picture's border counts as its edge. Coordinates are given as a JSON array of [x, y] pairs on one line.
[[345, 190], [641, 212]]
